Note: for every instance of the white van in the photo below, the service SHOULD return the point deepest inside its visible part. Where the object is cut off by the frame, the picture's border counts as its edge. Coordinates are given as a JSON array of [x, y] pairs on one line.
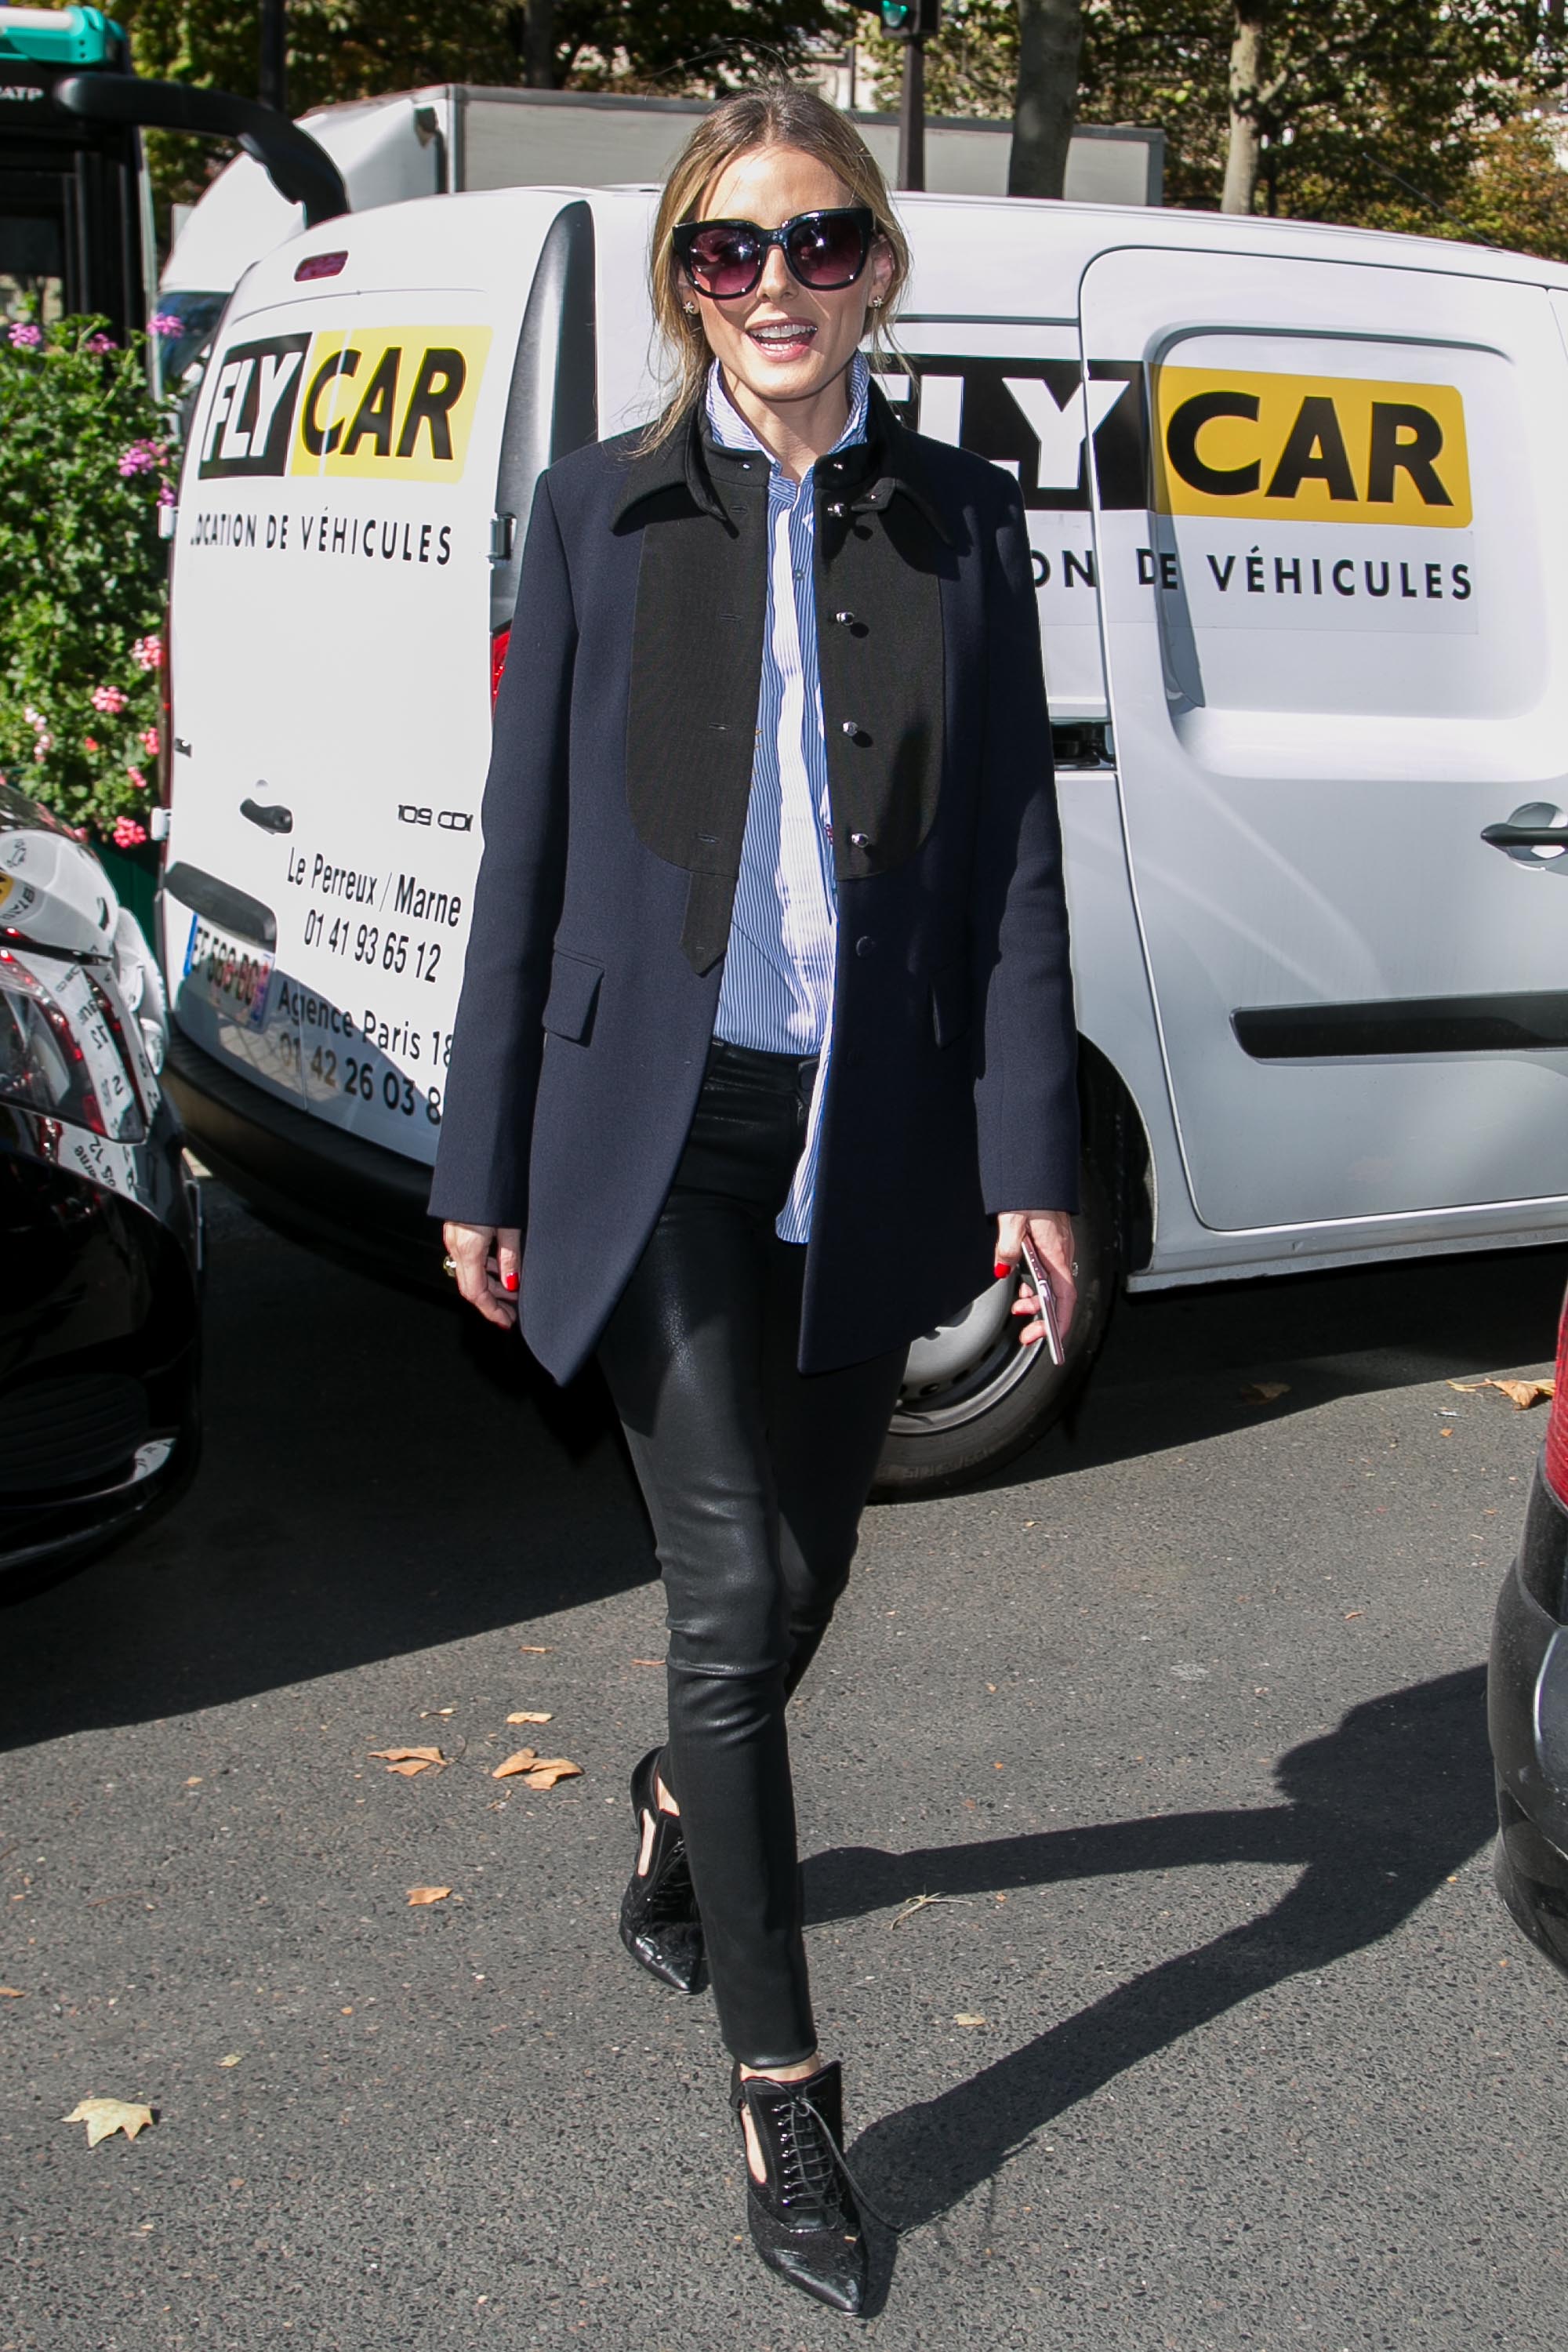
[[1297, 499]]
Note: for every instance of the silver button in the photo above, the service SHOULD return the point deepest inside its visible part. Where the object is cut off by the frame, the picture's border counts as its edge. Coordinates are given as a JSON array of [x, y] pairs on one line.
[[837, 507], [845, 620], [865, 945], [849, 727], [859, 841]]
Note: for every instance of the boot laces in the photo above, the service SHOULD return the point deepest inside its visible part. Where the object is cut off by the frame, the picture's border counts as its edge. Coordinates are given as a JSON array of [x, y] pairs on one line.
[[668, 1895], [809, 2156]]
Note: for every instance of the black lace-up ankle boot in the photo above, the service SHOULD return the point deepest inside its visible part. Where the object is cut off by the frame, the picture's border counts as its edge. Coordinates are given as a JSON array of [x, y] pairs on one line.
[[660, 1924], [805, 2223]]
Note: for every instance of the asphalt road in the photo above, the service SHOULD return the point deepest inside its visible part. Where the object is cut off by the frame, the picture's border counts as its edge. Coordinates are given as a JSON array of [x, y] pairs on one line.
[[1179, 1723]]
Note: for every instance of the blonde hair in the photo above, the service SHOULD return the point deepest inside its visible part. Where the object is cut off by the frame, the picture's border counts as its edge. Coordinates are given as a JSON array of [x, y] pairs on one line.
[[778, 114]]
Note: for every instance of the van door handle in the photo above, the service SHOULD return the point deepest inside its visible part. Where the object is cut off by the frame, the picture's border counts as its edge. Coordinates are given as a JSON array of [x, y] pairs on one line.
[[1539, 825], [270, 820]]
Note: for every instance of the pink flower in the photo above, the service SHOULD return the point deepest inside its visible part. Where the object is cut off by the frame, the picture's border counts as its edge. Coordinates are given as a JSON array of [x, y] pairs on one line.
[[35, 719], [165, 323], [150, 741], [43, 746], [99, 345], [166, 494], [89, 744], [24, 336], [127, 833], [109, 699], [140, 458], [147, 652], [137, 778]]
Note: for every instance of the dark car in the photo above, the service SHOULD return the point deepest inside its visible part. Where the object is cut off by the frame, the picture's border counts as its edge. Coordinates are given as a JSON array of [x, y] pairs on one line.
[[99, 1221], [1527, 1697]]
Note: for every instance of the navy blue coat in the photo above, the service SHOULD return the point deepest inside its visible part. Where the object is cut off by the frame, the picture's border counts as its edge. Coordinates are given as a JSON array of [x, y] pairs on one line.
[[613, 817]]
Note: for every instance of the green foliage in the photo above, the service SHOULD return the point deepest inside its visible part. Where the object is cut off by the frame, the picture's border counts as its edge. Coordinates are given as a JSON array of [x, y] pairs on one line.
[[1360, 96], [82, 452]]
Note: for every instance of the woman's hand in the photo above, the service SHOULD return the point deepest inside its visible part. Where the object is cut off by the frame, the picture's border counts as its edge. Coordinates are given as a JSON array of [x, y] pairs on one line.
[[489, 1259], [1051, 1231]]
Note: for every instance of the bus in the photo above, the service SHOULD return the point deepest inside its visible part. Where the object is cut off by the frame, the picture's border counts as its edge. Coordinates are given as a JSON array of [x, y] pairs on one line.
[[75, 208]]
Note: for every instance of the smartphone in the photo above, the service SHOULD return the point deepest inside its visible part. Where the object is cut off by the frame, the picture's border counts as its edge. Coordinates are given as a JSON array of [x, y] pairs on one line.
[[1035, 1266]]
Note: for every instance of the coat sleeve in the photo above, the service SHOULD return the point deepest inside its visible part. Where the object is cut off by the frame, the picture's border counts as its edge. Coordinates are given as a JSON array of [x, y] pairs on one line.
[[1026, 1085], [481, 1162]]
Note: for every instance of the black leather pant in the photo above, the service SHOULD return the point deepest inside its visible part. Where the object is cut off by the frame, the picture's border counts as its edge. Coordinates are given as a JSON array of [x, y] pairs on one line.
[[754, 1475]]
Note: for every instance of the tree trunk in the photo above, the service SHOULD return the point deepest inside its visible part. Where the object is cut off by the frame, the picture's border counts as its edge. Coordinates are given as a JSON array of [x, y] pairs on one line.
[[1050, 37], [539, 46], [1246, 129]]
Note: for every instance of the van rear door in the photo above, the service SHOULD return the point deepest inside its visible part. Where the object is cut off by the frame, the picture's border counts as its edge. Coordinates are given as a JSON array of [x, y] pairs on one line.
[[1334, 649], [334, 601]]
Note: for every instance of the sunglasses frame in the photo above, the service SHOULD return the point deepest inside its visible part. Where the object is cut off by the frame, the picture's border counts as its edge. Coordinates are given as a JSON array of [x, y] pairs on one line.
[[684, 234]]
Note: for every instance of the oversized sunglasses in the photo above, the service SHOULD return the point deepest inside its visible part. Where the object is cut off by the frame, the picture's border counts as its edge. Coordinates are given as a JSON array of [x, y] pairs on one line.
[[725, 258]]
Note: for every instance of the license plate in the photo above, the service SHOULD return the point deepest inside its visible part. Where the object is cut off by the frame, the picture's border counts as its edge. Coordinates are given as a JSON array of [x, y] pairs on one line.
[[233, 973]]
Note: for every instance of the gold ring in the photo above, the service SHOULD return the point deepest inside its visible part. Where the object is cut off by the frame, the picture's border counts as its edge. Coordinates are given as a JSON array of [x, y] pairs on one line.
[[449, 1266]]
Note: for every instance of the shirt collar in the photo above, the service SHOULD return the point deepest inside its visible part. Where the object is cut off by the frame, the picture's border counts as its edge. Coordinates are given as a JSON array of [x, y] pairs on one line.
[[730, 430]]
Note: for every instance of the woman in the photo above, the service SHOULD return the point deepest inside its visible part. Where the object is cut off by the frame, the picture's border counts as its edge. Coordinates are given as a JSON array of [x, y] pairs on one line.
[[766, 1036]]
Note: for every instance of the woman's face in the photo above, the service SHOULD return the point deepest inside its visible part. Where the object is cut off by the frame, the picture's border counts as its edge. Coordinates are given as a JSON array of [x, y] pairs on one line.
[[781, 342]]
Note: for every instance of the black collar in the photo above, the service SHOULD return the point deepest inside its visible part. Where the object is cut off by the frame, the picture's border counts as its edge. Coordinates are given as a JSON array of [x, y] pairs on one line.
[[866, 476]]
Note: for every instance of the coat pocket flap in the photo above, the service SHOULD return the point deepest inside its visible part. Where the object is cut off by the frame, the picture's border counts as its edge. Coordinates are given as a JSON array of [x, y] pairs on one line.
[[573, 993], [950, 1002]]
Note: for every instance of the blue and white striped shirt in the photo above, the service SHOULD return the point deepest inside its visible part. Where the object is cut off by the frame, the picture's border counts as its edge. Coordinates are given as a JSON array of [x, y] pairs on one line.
[[776, 995]]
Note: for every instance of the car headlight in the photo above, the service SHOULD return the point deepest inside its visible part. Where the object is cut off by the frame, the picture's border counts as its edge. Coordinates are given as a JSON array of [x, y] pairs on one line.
[[59, 1054]]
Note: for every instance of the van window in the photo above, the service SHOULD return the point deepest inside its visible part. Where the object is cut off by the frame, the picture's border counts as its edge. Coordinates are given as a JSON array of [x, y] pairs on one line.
[[1338, 521]]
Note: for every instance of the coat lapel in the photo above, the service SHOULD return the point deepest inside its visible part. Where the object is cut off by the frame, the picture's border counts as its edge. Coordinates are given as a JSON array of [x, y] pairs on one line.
[[882, 550]]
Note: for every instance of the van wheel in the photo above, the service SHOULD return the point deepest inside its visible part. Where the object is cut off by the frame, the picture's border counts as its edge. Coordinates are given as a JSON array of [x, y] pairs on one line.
[[972, 1397]]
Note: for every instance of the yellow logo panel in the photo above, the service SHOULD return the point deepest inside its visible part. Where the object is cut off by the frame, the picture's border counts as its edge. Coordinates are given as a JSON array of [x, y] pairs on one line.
[[1290, 448], [389, 403]]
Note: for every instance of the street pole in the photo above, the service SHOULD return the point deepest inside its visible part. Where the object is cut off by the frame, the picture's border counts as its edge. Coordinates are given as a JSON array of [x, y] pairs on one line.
[[272, 82], [912, 115]]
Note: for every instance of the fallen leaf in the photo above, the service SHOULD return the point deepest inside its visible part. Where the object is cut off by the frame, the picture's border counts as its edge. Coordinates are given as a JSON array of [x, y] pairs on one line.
[[406, 1761], [1523, 1394], [648, 1661], [232, 2060], [523, 1760], [534, 1649], [1353, 1613], [918, 1903], [12, 1992], [552, 1769], [970, 2017], [1263, 1392], [421, 1894], [526, 1717], [195, 1782], [1469, 1388], [104, 2116]]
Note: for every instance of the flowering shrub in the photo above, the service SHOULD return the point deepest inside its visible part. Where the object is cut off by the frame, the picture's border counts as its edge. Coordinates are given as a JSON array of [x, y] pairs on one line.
[[85, 465]]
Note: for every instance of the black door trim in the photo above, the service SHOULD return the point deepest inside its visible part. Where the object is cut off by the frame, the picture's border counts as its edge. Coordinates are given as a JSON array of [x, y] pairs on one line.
[[1529, 1021]]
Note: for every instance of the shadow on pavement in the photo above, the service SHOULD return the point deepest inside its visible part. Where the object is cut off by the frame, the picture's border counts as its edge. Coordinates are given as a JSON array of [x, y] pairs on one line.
[[382, 1473], [1378, 1813]]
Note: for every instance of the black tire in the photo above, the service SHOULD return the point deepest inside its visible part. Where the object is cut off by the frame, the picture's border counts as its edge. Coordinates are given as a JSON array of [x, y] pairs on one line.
[[968, 1409]]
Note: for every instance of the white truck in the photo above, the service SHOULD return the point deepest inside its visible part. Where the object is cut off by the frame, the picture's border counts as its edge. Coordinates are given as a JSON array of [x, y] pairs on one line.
[[1296, 497], [457, 138]]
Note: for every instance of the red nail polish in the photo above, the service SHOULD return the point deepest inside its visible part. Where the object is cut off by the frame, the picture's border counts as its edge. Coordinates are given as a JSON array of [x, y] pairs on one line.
[[508, 1282], [1002, 1267]]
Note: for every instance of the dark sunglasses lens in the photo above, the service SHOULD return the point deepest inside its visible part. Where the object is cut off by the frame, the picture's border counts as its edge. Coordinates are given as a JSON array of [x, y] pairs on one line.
[[828, 249], [722, 261]]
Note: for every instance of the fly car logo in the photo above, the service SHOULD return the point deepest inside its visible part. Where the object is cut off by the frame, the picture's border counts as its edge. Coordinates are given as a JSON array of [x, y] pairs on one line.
[[1311, 449], [387, 404]]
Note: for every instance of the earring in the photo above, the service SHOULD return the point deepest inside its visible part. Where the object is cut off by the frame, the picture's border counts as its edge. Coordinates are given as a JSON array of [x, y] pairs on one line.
[[877, 302], [690, 309]]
